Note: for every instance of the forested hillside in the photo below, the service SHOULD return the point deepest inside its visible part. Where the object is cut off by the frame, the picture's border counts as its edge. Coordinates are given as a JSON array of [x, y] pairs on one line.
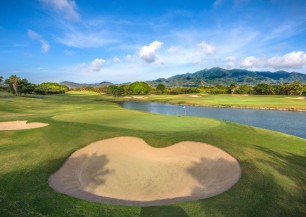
[[217, 76]]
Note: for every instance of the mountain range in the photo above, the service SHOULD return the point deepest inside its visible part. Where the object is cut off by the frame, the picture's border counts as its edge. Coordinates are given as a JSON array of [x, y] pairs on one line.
[[74, 85], [215, 76]]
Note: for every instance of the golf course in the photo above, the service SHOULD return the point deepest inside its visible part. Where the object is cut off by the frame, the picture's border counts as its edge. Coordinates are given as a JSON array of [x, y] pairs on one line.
[[266, 169]]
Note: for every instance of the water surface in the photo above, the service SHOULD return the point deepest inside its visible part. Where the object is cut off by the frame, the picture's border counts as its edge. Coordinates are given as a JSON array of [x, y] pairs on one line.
[[290, 122]]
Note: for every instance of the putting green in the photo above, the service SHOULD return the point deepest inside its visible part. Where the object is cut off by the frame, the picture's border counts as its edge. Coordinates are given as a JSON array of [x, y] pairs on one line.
[[121, 118]]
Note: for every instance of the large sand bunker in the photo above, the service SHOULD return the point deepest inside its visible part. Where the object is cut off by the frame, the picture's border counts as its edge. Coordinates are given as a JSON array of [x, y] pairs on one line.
[[127, 171], [20, 125]]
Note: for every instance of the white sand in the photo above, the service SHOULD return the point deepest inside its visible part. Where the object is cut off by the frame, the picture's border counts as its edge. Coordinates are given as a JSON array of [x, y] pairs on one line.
[[20, 125], [140, 97], [239, 94], [298, 98], [195, 96], [127, 171]]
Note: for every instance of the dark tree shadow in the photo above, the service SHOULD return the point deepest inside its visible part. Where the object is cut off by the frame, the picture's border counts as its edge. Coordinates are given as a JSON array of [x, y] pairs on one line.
[[213, 175], [80, 175], [290, 158], [258, 193], [98, 164]]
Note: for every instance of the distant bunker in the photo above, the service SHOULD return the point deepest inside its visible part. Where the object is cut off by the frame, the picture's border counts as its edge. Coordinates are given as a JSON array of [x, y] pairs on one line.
[[127, 171], [20, 125]]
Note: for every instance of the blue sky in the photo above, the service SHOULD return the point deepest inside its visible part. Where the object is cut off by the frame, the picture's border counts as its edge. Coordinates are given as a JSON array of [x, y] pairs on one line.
[[121, 41]]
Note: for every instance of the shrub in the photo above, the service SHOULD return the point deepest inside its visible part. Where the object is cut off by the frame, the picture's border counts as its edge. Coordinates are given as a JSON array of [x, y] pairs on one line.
[[47, 88]]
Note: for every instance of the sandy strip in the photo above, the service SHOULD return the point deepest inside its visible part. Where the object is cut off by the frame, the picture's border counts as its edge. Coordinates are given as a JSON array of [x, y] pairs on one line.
[[195, 96], [298, 98], [127, 171], [20, 125], [239, 94], [140, 97]]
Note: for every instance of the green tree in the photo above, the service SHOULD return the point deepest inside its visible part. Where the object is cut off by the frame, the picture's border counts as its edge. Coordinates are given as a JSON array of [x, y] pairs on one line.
[[47, 88], [296, 88], [160, 89], [126, 88], [286, 89], [101, 89], [263, 89], [12, 81], [116, 90], [25, 87], [304, 89], [139, 87], [278, 89], [1, 85], [244, 89], [233, 87]]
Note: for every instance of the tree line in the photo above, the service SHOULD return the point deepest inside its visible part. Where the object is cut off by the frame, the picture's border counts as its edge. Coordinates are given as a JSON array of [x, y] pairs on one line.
[[21, 86], [142, 88]]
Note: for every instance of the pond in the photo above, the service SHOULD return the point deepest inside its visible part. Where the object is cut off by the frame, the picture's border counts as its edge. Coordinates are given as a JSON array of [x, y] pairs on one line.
[[290, 122]]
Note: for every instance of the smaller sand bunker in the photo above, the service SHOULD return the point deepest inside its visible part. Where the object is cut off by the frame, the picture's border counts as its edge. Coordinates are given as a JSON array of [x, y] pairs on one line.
[[298, 98], [195, 96], [127, 171], [20, 125], [239, 94], [140, 97]]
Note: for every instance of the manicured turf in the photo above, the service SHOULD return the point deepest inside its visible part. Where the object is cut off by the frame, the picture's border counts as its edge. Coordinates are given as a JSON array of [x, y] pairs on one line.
[[228, 100], [273, 164]]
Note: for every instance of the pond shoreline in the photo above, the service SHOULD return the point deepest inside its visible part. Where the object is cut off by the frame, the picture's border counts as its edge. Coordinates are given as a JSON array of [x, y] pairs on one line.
[[215, 106], [278, 120]]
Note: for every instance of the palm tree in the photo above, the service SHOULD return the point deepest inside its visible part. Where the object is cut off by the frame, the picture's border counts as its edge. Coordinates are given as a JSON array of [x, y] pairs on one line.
[[233, 87], [14, 82]]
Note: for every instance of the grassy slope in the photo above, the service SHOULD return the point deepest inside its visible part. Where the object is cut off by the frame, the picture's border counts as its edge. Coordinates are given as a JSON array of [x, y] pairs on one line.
[[256, 101], [273, 164]]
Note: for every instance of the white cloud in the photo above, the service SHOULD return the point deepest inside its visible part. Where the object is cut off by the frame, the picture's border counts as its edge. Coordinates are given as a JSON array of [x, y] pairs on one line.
[[208, 49], [68, 7], [69, 52], [172, 49], [116, 60], [148, 52], [33, 35], [131, 58], [45, 46], [97, 64], [251, 61], [126, 71], [85, 39], [230, 61], [293, 60]]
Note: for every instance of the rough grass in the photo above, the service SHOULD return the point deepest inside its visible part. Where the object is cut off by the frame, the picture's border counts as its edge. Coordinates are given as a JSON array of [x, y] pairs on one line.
[[273, 164]]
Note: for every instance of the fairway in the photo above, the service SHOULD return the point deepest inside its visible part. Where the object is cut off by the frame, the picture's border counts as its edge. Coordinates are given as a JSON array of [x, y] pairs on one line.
[[273, 165]]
